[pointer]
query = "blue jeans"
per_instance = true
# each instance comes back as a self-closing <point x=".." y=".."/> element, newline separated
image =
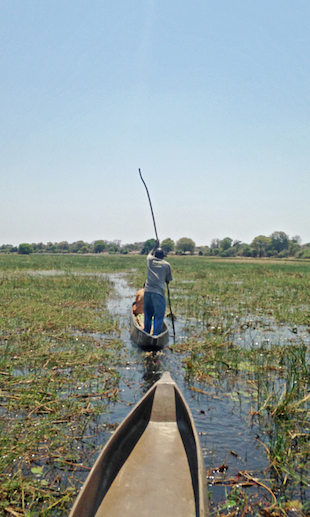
<point x="154" y="307"/>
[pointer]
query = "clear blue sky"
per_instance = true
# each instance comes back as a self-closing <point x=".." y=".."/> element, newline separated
<point x="211" y="99"/>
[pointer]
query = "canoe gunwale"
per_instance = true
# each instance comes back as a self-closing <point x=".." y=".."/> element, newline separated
<point x="128" y="435"/>
<point x="147" y="341"/>
<point x="122" y="443"/>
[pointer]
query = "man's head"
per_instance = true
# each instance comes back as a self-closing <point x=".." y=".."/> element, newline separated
<point x="159" y="253"/>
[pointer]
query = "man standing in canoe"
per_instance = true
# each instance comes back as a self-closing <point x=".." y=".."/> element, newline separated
<point x="158" y="273"/>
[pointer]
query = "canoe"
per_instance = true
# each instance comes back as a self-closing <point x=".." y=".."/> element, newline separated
<point x="152" y="466"/>
<point x="147" y="341"/>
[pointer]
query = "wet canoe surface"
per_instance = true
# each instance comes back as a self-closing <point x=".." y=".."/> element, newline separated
<point x="152" y="465"/>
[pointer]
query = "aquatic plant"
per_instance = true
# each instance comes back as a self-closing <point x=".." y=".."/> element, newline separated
<point x="59" y="350"/>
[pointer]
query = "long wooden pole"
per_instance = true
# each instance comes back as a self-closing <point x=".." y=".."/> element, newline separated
<point x="172" y="315"/>
<point x="148" y="195"/>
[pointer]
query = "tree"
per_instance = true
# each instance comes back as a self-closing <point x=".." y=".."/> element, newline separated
<point x="225" y="244"/>
<point x="99" y="246"/>
<point x="75" y="247"/>
<point x="279" y="241"/>
<point x="148" y="246"/>
<point x="261" y="244"/>
<point x="6" y="248"/>
<point x="215" y="244"/>
<point x="293" y="247"/>
<point x="131" y="247"/>
<point x="185" y="244"/>
<point x="62" y="246"/>
<point x="113" y="248"/>
<point x="25" y="249"/>
<point x="168" y="245"/>
<point x="246" y="250"/>
<point x="296" y="239"/>
<point x="306" y="253"/>
<point x="40" y="246"/>
<point x="236" y="244"/>
<point x="230" y="252"/>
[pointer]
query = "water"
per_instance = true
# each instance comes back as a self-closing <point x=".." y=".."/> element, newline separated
<point x="265" y="332"/>
<point x="222" y="421"/>
<point x="230" y="438"/>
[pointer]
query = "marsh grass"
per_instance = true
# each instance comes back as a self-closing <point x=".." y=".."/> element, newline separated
<point x="59" y="350"/>
<point x="268" y="378"/>
<point x="69" y="263"/>
<point x="206" y="289"/>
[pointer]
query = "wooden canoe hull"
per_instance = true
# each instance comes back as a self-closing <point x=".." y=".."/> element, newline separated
<point x="145" y="340"/>
<point x="152" y="466"/>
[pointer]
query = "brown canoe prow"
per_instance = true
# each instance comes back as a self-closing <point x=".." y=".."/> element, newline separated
<point x="152" y="466"/>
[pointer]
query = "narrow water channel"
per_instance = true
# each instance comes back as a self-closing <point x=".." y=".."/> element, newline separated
<point x="222" y="421"/>
<point x="225" y="410"/>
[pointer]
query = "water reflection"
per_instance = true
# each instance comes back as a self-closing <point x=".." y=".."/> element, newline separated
<point x="152" y="369"/>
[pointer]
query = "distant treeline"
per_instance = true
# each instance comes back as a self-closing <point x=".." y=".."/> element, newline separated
<point x="278" y="244"/>
<point x="74" y="247"/>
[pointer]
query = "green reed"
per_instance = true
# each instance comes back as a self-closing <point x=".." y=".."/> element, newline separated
<point x="59" y="350"/>
<point x="220" y="300"/>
